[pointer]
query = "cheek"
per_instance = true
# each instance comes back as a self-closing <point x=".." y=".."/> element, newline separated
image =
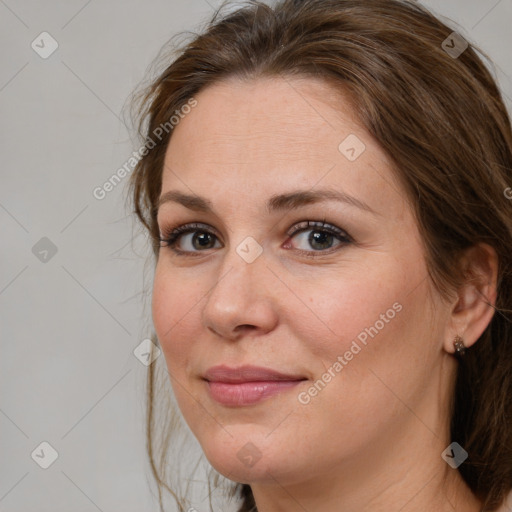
<point x="383" y="342"/>
<point x="346" y="308"/>
<point x="172" y="307"/>
<point x="174" y="310"/>
<point x="373" y="317"/>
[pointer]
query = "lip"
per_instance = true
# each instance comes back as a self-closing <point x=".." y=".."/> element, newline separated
<point x="247" y="373"/>
<point x="246" y="385"/>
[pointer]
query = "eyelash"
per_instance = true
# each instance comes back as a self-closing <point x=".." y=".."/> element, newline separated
<point x="171" y="236"/>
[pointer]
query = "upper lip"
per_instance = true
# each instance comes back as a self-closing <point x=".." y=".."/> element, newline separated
<point x="247" y="373"/>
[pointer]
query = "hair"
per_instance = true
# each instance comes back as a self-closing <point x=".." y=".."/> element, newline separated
<point x="443" y="123"/>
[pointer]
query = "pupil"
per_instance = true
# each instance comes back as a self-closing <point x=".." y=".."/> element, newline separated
<point x="317" y="237"/>
<point x="202" y="238"/>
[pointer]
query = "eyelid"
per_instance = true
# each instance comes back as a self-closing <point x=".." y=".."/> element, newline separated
<point x="322" y="225"/>
<point x="181" y="228"/>
<point x="297" y="226"/>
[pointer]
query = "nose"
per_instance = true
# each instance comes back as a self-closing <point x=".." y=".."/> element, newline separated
<point x="243" y="298"/>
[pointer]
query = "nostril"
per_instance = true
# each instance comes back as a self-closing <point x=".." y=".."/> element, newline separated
<point x="245" y="327"/>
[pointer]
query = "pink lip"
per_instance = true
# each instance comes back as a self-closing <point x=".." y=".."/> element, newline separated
<point x="247" y="385"/>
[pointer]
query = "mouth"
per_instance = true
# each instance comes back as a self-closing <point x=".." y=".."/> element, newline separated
<point x="247" y="385"/>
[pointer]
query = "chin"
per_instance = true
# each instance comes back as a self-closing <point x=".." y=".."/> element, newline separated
<point x="247" y="456"/>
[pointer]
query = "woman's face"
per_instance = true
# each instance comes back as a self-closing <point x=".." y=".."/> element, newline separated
<point x="346" y="307"/>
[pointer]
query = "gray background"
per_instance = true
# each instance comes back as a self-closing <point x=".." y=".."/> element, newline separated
<point x="69" y="324"/>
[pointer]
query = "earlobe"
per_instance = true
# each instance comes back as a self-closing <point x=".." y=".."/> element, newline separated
<point x="474" y="307"/>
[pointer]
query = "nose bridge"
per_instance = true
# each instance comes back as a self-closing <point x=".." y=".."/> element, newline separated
<point x="242" y="268"/>
<point x="240" y="295"/>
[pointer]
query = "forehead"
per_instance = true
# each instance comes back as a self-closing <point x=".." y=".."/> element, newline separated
<point x="272" y="133"/>
<point x="267" y="116"/>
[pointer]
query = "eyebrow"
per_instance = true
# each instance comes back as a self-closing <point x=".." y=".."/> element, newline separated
<point x="289" y="201"/>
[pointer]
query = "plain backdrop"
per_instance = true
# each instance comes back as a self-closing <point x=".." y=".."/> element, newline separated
<point x="71" y="273"/>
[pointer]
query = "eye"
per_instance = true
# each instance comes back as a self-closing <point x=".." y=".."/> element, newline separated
<point x="194" y="238"/>
<point x="201" y="239"/>
<point x="320" y="237"/>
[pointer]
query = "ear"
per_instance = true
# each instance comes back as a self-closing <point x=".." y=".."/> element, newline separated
<point x="474" y="305"/>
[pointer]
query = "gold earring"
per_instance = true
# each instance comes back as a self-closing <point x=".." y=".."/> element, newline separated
<point x="460" y="348"/>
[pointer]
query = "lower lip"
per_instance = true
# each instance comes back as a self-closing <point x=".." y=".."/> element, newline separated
<point x="247" y="393"/>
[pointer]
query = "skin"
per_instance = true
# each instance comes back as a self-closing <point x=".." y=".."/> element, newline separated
<point x="372" y="438"/>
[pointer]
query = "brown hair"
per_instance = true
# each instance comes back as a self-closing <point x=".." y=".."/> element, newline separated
<point x="442" y="121"/>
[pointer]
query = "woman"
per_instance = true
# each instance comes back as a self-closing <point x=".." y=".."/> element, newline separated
<point x="326" y="184"/>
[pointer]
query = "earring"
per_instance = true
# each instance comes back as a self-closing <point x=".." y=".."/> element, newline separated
<point x="460" y="348"/>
